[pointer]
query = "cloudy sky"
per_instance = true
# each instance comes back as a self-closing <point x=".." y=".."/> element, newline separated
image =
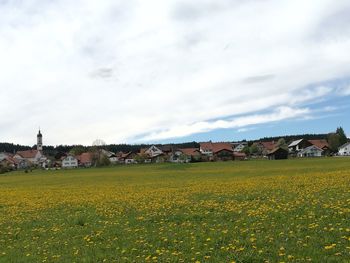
<point x="177" y="70"/>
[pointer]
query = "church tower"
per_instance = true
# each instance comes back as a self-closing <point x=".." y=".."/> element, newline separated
<point x="39" y="141"/>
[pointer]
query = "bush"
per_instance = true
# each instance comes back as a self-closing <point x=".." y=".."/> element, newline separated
<point x="3" y="170"/>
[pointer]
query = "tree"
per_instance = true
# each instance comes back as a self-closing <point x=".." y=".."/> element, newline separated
<point x="334" y="141"/>
<point x="342" y="137"/>
<point x="103" y="161"/>
<point x="77" y="150"/>
<point x="183" y="158"/>
<point x="246" y="150"/>
<point x="96" y="151"/>
<point x="282" y="144"/>
<point x="254" y="149"/>
<point x="140" y="158"/>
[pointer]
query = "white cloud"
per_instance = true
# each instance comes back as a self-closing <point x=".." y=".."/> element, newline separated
<point x="118" y="70"/>
<point x="345" y="91"/>
<point x="281" y="113"/>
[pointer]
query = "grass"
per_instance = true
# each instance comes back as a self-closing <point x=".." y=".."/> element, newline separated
<point x="254" y="211"/>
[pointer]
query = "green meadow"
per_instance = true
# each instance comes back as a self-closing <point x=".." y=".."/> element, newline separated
<point x="251" y="211"/>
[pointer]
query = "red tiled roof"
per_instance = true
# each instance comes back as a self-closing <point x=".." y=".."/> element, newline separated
<point x="320" y="143"/>
<point x="268" y="145"/>
<point x="28" y="154"/>
<point x="206" y="146"/>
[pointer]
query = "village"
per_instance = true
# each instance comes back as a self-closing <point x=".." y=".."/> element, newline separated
<point x="206" y="152"/>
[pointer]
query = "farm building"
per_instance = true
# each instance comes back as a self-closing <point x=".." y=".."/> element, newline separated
<point x="298" y="145"/>
<point x="239" y="156"/>
<point x="278" y="154"/>
<point x="266" y="147"/>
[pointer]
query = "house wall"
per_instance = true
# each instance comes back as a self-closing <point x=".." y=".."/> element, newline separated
<point x="223" y="155"/>
<point x="311" y="153"/>
<point x="345" y="151"/>
<point x="69" y="162"/>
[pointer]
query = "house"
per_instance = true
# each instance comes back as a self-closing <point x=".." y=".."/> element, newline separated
<point x="185" y="155"/>
<point x="298" y="145"/>
<point x="35" y="157"/>
<point x="69" y="162"/>
<point x="85" y="159"/>
<point x="128" y="158"/>
<point x="266" y="147"/>
<point x="278" y="154"/>
<point x="8" y="161"/>
<point x="166" y="149"/>
<point x="152" y="151"/>
<point x="218" y="151"/>
<point x="206" y="148"/>
<point x="112" y="157"/>
<point x="155" y="154"/>
<point x="239" y="156"/>
<point x="322" y="144"/>
<point x="239" y="146"/>
<point x="344" y="150"/>
<point x="311" y="151"/>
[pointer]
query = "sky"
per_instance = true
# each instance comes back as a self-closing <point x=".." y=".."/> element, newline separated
<point x="172" y="71"/>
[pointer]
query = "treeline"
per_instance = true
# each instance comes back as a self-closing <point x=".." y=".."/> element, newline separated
<point x="78" y="149"/>
<point x="289" y="138"/>
<point x="12" y="148"/>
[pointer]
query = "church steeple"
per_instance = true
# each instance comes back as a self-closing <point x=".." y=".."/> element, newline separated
<point x="39" y="141"/>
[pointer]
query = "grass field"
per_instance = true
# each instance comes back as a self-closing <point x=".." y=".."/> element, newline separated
<point x="254" y="211"/>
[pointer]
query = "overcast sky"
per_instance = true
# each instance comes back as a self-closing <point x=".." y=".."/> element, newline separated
<point x="155" y="71"/>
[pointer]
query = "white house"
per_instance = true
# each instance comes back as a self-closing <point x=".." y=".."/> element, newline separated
<point x="33" y="156"/>
<point x="206" y="148"/>
<point x="238" y="147"/>
<point x="111" y="156"/>
<point x="344" y="150"/>
<point x="311" y="151"/>
<point x="69" y="162"/>
<point x="153" y="151"/>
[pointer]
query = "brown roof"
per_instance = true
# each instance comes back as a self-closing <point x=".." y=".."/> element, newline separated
<point x="28" y="154"/>
<point x="216" y="146"/>
<point x="269" y="146"/>
<point x="320" y="143"/>
<point x="206" y="146"/>
<point x="125" y="155"/>
<point x="219" y="146"/>
<point x="11" y="160"/>
<point x="190" y="151"/>
<point x="85" y="157"/>
<point x="275" y="150"/>
<point x="239" y="154"/>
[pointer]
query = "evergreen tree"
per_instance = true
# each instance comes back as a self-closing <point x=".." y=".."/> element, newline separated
<point x="334" y="141"/>
<point x="342" y="137"/>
